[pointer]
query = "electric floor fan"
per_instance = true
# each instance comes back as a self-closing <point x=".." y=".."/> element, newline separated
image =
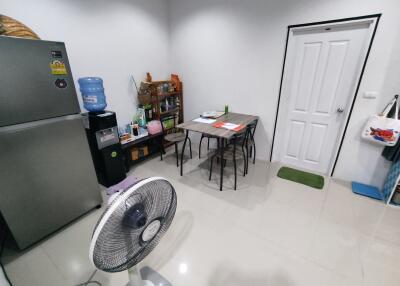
<point x="132" y="226"/>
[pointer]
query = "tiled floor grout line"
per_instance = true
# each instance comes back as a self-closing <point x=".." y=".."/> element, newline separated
<point x="319" y="220"/>
<point x="371" y="239"/>
<point x="54" y="264"/>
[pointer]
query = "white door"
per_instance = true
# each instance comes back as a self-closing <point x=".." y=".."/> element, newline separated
<point x="322" y="70"/>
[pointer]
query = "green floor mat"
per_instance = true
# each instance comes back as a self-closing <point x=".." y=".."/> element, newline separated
<point x="305" y="178"/>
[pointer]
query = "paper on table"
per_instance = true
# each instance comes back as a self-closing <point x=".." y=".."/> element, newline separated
<point x="230" y="126"/>
<point x="204" y="120"/>
<point x="212" y="114"/>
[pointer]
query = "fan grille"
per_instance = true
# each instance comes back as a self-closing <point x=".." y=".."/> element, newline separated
<point x="119" y="247"/>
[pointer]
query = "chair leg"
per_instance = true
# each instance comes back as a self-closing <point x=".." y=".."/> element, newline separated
<point x="201" y="139"/>
<point x="212" y="161"/>
<point x="218" y="146"/>
<point x="234" y="167"/>
<point x="161" y="148"/>
<point x="176" y="153"/>
<point x="190" y="148"/>
<point x="247" y="159"/>
<point x="208" y="143"/>
<point x="221" y="179"/>
<point x="254" y="157"/>
<point x="244" y="162"/>
<point x="234" y="161"/>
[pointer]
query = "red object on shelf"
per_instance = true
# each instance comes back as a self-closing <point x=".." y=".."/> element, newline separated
<point x="176" y="81"/>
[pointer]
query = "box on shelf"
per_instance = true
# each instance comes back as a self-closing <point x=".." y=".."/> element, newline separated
<point x="139" y="152"/>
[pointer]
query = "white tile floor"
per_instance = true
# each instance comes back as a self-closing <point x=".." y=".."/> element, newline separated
<point x="268" y="232"/>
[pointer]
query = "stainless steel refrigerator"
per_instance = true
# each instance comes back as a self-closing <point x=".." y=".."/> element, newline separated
<point x="47" y="178"/>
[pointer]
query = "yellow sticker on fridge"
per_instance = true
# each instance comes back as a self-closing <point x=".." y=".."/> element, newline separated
<point x="58" y="67"/>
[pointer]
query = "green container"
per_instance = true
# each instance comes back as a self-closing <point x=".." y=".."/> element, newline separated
<point x="168" y="123"/>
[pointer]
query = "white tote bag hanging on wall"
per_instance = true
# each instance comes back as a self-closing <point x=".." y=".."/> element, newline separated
<point x="381" y="129"/>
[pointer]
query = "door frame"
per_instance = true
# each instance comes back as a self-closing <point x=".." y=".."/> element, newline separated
<point x="373" y="27"/>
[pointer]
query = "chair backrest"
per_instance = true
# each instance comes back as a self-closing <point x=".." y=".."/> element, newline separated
<point x="243" y="134"/>
<point x="248" y="133"/>
<point x="166" y="119"/>
<point x="252" y="127"/>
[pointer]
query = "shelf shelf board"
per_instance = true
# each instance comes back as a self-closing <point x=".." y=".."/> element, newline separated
<point x="169" y="111"/>
<point x="166" y="94"/>
<point x="157" y="82"/>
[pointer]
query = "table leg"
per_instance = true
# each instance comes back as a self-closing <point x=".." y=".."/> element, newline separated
<point x="222" y="163"/>
<point x="183" y="150"/>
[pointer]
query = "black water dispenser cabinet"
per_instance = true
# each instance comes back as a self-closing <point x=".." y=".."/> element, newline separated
<point x="102" y="132"/>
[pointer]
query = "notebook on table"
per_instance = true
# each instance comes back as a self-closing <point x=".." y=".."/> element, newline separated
<point x="212" y="114"/>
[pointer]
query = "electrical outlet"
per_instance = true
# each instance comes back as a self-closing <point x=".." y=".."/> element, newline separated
<point x="370" y="94"/>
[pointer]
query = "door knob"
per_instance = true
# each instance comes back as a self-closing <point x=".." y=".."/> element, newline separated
<point x="340" y="110"/>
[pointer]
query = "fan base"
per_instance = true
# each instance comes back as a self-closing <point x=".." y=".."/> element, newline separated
<point x="149" y="277"/>
<point x="144" y="283"/>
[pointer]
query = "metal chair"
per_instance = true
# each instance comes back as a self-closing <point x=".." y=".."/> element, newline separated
<point x="250" y="140"/>
<point x="174" y="136"/>
<point x="203" y="135"/>
<point x="247" y="142"/>
<point x="231" y="154"/>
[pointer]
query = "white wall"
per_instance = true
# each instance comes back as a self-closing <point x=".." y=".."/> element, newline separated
<point x="231" y="52"/>
<point x="226" y="51"/>
<point x="110" y="39"/>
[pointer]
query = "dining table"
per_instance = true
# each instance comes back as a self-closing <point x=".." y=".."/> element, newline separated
<point x="221" y="133"/>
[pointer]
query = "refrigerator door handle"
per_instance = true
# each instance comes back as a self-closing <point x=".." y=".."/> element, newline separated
<point x="28" y="125"/>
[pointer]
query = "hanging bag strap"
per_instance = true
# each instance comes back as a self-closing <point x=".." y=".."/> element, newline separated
<point x="389" y="107"/>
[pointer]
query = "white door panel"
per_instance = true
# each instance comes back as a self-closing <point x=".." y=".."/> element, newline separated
<point x="321" y="74"/>
<point x="334" y="68"/>
<point x="296" y="131"/>
<point x="313" y="149"/>
<point x="305" y="76"/>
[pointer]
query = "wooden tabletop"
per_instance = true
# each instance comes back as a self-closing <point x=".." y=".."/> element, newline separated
<point x="235" y="118"/>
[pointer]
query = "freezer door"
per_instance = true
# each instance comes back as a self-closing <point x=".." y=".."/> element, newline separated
<point x="35" y="81"/>
<point x="47" y="177"/>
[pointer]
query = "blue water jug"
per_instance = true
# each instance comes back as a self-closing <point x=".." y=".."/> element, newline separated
<point x="92" y="91"/>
